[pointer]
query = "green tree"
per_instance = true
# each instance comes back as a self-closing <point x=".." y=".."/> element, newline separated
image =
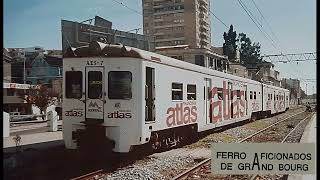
<point x="229" y="45"/>
<point x="249" y="52"/>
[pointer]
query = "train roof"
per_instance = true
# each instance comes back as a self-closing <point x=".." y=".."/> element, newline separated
<point x="98" y="49"/>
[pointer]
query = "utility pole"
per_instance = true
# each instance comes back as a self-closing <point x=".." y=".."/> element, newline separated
<point x="306" y="89"/>
<point x="313" y="96"/>
<point x="24" y="70"/>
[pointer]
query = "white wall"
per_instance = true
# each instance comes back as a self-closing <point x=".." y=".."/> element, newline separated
<point x="35" y="110"/>
<point x="6" y="124"/>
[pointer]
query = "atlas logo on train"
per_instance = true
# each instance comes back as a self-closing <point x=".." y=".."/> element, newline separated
<point x="182" y="113"/>
<point x="221" y="107"/>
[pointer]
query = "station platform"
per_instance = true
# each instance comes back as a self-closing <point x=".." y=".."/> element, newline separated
<point x="309" y="136"/>
<point x="35" y="136"/>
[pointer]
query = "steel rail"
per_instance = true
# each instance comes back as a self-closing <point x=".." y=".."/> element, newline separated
<point x="89" y="176"/>
<point x="266" y="128"/>
<point x="285" y="138"/>
<point x="184" y="174"/>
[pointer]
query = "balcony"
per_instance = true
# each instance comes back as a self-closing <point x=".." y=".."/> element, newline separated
<point x="203" y="15"/>
<point x="158" y="20"/>
<point x="203" y="8"/>
<point x="169" y="12"/>
<point x="203" y="35"/>
<point x="203" y="23"/>
<point x="203" y="2"/>
<point x="204" y="29"/>
<point x="168" y="25"/>
<point x="170" y="39"/>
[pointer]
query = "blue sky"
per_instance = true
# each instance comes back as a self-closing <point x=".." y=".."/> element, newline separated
<point x="37" y="22"/>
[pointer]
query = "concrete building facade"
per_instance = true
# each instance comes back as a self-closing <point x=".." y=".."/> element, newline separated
<point x="178" y="22"/>
<point x="294" y="86"/>
<point x="12" y="98"/>
<point x="237" y="69"/>
<point x="264" y="72"/>
<point x="199" y="56"/>
<point x="76" y="34"/>
<point x="7" y="60"/>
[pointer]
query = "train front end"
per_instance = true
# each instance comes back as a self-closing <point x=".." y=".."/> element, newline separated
<point x="100" y="101"/>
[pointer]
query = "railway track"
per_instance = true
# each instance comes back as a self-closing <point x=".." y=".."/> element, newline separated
<point x="204" y="166"/>
<point x="96" y="175"/>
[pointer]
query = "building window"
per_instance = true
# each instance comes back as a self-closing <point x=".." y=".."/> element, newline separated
<point x="199" y="60"/>
<point x="177" y="91"/>
<point x="250" y="94"/>
<point x="220" y="93"/>
<point x="119" y="85"/>
<point x="177" y="57"/>
<point x="10" y="92"/>
<point x="211" y="61"/>
<point x="191" y="92"/>
<point x="254" y="95"/>
<point x="73" y="84"/>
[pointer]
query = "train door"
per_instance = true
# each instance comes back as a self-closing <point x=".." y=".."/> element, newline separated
<point x="95" y="93"/>
<point x="246" y="98"/>
<point x="207" y="97"/>
<point x="284" y="100"/>
<point x="150" y="95"/>
<point x="230" y="98"/>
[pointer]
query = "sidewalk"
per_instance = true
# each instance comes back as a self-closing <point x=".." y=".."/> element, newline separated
<point x="33" y="139"/>
<point x="309" y="136"/>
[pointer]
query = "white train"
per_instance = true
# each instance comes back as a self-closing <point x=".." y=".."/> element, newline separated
<point x="124" y="97"/>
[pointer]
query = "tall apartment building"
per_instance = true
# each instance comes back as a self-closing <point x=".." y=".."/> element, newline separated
<point x="177" y="22"/>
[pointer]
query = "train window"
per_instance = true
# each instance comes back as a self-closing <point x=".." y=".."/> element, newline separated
<point x="177" y="91"/>
<point x="95" y="84"/>
<point x="220" y="93"/>
<point x="73" y="84"/>
<point x="191" y="92"/>
<point x="119" y="85"/>
<point x="250" y="94"/>
<point x="254" y="95"/>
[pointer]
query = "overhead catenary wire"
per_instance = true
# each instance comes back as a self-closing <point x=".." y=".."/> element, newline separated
<point x="268" y="24"/>
<point x="281" y="52"/>
<point x="131" y="9"/>
<point x="218" y="18"/>
<point x="266" y="35"/>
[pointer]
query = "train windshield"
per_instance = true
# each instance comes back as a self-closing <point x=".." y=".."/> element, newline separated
<point x="73" y="84"/>
<point x="119" y="85"/>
